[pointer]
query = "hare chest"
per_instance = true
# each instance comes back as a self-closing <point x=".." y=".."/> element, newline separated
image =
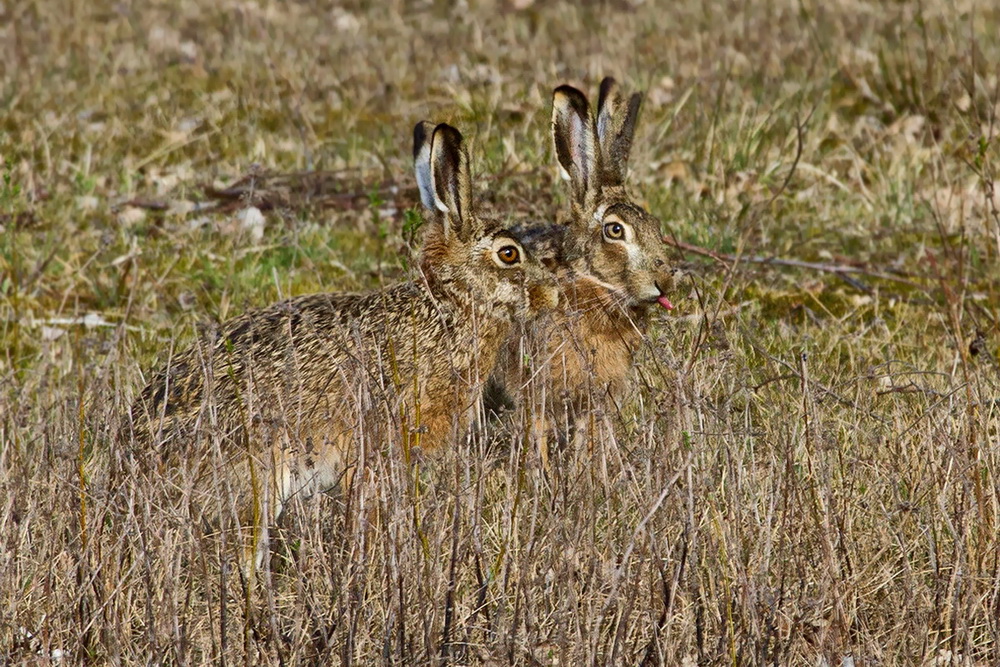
<point x="590" y="362"/>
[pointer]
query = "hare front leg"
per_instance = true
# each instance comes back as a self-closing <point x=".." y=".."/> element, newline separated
<point x="292" y="471"/>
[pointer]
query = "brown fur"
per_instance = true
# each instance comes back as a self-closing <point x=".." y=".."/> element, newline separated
<point x="607" y="287"/>
<point x="279" y="397"/>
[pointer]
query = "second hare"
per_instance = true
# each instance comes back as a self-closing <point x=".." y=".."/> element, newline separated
<point x="609" y="259"/>
<point x="280" y="398"/>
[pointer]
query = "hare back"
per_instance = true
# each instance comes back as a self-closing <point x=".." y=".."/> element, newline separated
<point x="305" y="372"/>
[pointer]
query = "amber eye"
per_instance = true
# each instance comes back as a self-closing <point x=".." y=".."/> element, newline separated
<point x="614" y="231"/>
<point x="509" y="255"/>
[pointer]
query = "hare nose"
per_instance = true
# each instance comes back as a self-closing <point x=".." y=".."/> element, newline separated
<point x="665" y="280"/>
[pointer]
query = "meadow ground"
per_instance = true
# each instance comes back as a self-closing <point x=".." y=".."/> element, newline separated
<point x="808" y="472"/>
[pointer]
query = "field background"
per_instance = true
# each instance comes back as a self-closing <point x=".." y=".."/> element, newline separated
<point x="808" y="473"/>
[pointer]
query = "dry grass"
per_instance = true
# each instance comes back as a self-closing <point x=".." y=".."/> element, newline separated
<point x="808" y="470"/>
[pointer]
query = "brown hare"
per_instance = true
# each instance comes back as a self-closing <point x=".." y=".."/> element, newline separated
<point x="279" y="399"/>
<point x="609" y="260"/>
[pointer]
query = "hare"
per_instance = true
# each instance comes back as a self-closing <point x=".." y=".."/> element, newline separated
<point x="282" y="395"/>
<point x="609" y="261"/>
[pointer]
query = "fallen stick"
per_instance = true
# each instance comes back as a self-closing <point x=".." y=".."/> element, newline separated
<point x="840" y="269"/>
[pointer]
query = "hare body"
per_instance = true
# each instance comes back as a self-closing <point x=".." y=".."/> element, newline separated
<point x="609" y="261"/>
<point x="277" y="401"/>
<point x="287" y="387"/>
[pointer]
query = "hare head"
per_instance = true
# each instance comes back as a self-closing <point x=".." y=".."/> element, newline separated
<point x="465" y="253"/>
<point x="612" y="241"/>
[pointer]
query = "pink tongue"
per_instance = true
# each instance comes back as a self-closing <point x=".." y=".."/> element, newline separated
<point x="665" y="302"/>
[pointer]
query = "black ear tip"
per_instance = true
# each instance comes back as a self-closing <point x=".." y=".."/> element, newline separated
<point x="634" y="103"/>
<point x="421" y="135"/>
<point x="577" y="100"/>
<point x="609" y="90"/>
<point x="448" y="133"/>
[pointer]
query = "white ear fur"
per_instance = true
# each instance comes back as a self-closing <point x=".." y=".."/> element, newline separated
<point x="422" y="162"/>
<point x="582" y="147"/>
<point x="602" y="125"/>
<point x="424" y="178"/>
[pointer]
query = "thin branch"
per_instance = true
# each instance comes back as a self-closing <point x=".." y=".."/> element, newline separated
<point x="799" y="147"/>
<point x="841" y="270"/>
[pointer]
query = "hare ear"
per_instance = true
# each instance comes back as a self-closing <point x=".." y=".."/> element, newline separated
<point x="451" y="184"/>
<point x="615" y="129"/>
<point x="422" y="162"/>
<point x="574" y="140"/>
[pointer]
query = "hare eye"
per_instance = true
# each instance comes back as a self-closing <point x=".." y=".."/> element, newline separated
<point x="509" y="255"/>
<point x="614" y="231"/>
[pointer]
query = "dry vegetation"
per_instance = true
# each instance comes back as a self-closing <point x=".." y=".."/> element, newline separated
<point x="808" y="472"/>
